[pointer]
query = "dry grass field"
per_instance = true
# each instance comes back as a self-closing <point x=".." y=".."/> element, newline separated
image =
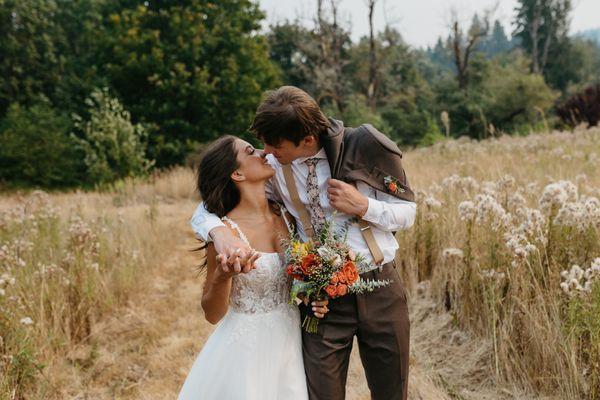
<point x="100" y="298"/>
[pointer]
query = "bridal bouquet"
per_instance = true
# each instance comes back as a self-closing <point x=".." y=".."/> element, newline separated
<point x="325" y="267"/>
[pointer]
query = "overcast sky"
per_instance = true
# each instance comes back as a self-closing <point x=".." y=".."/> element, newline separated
<point x="420" y="22"/>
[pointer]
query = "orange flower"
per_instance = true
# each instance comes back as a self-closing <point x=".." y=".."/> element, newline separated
<point x="350" y="272"/>
<point x="290" y="270"/>
<point x="341" y="290"/>
<point x="341" y="277"/>
<point x="309" y="261"/>
<point x="331" y="290"/>
<point x="334" y="279"/>
<point x="393" y="187"/>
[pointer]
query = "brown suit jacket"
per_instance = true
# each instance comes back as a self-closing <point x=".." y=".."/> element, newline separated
<point x="367" y="155"/>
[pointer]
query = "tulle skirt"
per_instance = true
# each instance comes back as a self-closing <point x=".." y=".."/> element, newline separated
<point x="250" y="357"/>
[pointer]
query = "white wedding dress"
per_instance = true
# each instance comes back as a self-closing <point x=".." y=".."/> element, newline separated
<point x="255" y="352"/>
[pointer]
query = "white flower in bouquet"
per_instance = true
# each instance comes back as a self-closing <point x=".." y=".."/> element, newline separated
<point x="329" y="255"/>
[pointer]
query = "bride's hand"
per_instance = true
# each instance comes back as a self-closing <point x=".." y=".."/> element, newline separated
<point x="235" y="255"/>
<point x="320" y="308"/>
<point x="237" y="264"/>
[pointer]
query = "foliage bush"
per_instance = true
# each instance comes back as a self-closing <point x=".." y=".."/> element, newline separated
<point x="581" y="107"/>
<point x="36" y="149"/>
<point x="114" y="147"/>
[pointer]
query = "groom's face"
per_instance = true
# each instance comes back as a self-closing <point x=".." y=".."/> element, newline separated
<point x="287" y="151"/>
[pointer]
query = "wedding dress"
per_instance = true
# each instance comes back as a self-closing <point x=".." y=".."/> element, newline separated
<point x="255" y="352"/>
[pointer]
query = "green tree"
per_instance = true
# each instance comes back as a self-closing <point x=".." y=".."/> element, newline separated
<point x="542" y="27"/>
<point x="575" y="64"/>
<point x="48" y="51"/>
<point x="114" y="148"/>
<point x="30" y="64"/>
<point x="36" y="149"/>
<point x="193" y="70"/>
<point x="497" y="42"/>
<point x="515" y="100"/>
<point x="294" y="49"/>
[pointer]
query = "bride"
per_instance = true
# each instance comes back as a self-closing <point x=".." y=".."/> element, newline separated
<point x="255" y="352"/>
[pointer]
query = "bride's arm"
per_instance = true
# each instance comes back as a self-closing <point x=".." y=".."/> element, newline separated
<point x="217" y="286"/>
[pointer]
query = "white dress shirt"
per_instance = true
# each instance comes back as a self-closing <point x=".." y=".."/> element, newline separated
<point x="386" y="213"/>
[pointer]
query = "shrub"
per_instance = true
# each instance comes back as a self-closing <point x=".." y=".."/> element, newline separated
<point x="36" y="149"/>
<point x="581" y="107"/>
<point x="114" y="147"/>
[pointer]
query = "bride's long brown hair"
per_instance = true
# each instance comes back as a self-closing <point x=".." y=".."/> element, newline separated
<point x="219" y="193"/>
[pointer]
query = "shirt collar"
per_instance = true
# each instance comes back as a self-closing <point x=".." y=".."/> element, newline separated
<point x="320" y="155"/>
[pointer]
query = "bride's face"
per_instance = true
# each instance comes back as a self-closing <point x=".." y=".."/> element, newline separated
<point x="253" y="166"/>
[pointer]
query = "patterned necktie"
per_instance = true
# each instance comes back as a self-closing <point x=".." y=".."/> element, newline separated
<point x="317" y="216"/>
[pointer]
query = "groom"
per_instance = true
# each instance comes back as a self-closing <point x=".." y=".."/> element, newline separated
<point x="320" y="167"/>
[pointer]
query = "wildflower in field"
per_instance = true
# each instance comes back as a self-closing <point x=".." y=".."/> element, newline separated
<point x="435" y="188"/>
<point x="489" y="188"/>
<point x="506" y="183"/>
<point x="26" y="321"/>
<point x="450" y="182"/>
<point x="432" y="202"/>
<point x="6" y="280"/>
<point x="492" y="274"/>
<point x="516" y="244"/>
<point x="573" y="215"/>
<point x="466" y="210"/>
<point x="576" y="280"/>
<point x="452" y="254"/>
<point x="532" y="224"/>
<point x="556" y="194"/>
<point x="488" y="209"/>
<point x="516" y="201"/>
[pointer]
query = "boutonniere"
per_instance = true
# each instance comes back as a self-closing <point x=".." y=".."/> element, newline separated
<point x="392" y="184"/>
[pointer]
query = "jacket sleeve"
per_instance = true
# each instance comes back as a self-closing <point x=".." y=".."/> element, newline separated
<point x="387" y="212"/>
<point x="383" y="161"/>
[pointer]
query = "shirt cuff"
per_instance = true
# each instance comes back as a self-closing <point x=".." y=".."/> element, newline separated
<point x="374" y="211"/>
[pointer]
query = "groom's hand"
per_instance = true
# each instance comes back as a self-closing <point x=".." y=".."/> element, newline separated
<point x="234" y="255"/>
<point x="320" y="308"/>
<point x="346" y="198"/>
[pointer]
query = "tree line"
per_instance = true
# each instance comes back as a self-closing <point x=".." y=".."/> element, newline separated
<point x="92" y="91"/>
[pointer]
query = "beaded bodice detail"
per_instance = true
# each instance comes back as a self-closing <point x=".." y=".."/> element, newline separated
<point x="263" y="289"/>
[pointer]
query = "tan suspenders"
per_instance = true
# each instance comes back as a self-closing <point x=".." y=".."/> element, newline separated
<point x="302" y="213"/>
<point x="365" y="227"/>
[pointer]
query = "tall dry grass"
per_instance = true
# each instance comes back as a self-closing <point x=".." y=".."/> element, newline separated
<point x="67" y="262"/>
<point x="501" y="225"/>
<point x="507" y="237"/>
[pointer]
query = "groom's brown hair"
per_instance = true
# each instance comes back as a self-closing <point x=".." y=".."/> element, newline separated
<point x="288" y="113"/>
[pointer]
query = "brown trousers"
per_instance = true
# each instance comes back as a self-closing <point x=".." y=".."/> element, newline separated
<point x="379" y="320"/>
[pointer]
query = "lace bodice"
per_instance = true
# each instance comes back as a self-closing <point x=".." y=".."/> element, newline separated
<point x="264" y="288"/>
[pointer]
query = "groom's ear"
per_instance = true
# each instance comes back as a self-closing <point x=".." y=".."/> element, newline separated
<point x="310" y="140"/>
<point x="238" y="176"/>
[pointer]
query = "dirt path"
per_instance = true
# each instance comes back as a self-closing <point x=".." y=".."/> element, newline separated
<point x="147" y="351"/>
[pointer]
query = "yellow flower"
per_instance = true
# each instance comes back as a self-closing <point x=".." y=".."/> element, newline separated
<point x="299" y="249"/>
